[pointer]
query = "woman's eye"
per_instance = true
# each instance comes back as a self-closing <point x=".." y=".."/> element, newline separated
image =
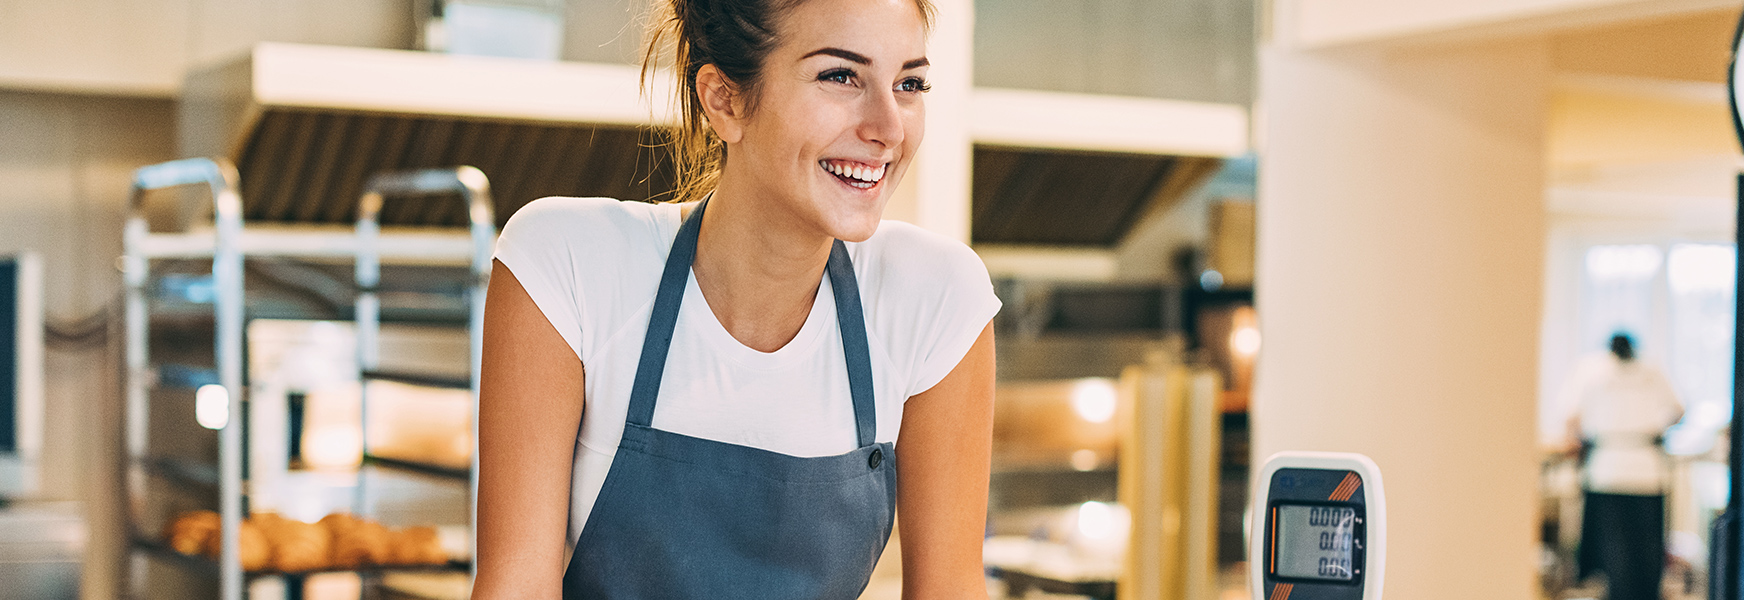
<point x="842" y="76"/>
<point x="914" y="84"/>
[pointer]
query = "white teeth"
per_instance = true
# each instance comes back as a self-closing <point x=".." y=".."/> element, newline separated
<point x="858" y="172"/>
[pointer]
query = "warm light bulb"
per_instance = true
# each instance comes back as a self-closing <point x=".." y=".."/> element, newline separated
<point x="1094" y="399"/>
<point x="1245" y="341"/>
<point x="212" y="406"/>
<point x="1095" y="520"/>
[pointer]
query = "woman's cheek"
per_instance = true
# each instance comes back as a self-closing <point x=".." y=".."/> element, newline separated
<point x="912" y="136"/>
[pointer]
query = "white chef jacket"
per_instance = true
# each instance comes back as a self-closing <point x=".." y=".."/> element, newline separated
<point x="1623" y="408"/>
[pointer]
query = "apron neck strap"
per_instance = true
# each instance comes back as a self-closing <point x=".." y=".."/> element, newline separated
<point x="850" y="320"/>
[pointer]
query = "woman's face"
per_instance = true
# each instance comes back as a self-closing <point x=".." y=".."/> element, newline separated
<point x="838" y="114"/>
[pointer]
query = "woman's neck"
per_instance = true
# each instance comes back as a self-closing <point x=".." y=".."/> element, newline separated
<point x="758" y="267"/>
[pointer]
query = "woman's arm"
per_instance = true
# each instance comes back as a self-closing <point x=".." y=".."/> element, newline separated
<point x="530" y="402"/>
<point x="943" y="460"/>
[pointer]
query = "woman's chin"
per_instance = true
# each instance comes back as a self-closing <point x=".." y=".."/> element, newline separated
<point x="856" y="230"/>
<point x="852" y="219"/>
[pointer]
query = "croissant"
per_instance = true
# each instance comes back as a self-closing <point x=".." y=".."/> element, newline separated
<point x="296" y="546"/>
<point x="356" y="542"/>
<point x="418" y="546"/>
<point x="253" y="550"/>
<point x="190" y="531"/>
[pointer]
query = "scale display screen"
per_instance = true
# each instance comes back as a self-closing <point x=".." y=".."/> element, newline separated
<point x="1325" y="528"/>
<point x="1315" y="542"/>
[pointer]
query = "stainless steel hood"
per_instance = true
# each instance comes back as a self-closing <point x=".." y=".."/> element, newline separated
<point x="1063" y="170"/>
<point x="1060" y="198"/>
<point x="310" y="166"/>
<point x="307" y="125"/>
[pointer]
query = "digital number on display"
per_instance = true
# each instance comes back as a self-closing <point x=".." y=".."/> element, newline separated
<point x="1315" y="542"/>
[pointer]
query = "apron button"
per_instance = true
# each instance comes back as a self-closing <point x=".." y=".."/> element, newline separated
<point x="876" y="459"/>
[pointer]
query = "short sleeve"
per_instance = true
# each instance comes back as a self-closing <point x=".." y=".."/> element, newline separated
<point x="933" y="299"/>
<point x="964" y="311"/>
<point x="534" y="247"/>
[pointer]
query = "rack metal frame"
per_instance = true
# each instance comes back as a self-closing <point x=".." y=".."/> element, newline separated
<point x="472" y="187"/>
<point x="226" y="243"/>
<point x="140" y="247"/>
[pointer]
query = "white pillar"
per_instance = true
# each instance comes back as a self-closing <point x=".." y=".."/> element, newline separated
<point x="1400" y="262"/>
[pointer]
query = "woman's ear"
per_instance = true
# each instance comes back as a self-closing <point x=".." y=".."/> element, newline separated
<point x="720" y="103"/>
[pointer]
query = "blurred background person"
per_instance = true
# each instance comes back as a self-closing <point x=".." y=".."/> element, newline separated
<point x="1620" y="408"/>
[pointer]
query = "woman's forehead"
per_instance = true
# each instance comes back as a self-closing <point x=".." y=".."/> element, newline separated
<point x="880" y="30"/>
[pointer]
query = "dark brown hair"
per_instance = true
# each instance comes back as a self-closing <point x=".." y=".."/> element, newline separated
<point x="733" y="35"/>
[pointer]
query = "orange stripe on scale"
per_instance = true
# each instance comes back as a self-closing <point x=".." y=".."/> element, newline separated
<point x="1346" y="488"/>
<point x="1274" y="540"/>
<point x="1281" y="591"/>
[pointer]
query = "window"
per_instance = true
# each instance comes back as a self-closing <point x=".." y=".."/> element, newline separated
<point x="1677" y="303"/>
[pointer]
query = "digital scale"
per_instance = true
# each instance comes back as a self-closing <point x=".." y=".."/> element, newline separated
<point x="1319" y="528"/>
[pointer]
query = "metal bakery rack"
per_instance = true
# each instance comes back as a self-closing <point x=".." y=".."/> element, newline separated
<point x="219" y="392"/>
<point x="332" y="193"/>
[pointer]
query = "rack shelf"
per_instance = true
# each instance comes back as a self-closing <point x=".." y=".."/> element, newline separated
<point x="421" y="379"/>
<point x="420" y="468"/>
<point x="225" y="243"/>
<point x="184" y="471"/>
<point x="396" y="245"/>
<point x="162" y="550"/>
<point x="375" y="471"/>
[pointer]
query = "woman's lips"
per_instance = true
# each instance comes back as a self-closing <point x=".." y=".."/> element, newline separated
<point x="855" y="174"/>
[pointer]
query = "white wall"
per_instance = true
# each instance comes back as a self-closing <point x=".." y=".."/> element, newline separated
<point x="1328" y="23"/>
<point x="65" y="167"/>
<point x="146" y="46"/>
<point x="1178" y="49"/>
<point x="1400" y="253"/>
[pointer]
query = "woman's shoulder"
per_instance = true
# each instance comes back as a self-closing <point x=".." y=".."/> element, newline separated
<point x="566" y="211"/>
<point x="585" y="222"/>
<point x="927" y="298"/>
<point x="911" y="251"/>
<point x="906" y="267"/>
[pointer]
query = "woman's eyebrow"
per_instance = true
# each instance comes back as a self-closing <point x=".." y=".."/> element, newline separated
<point x="856" y="57"/>
<point x="839" y="53"/>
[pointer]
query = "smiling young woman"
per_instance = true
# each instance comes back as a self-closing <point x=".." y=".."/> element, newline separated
<point x="731" y="396"/>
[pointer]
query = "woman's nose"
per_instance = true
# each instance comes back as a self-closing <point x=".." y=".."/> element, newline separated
<point x="881" y="119"/>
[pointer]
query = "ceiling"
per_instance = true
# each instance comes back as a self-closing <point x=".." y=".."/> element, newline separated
<point x="1695" y="47"/>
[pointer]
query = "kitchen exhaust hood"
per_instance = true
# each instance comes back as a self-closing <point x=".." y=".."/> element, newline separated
<point x="308" y="125"/>
<point x="1059" y="170"/>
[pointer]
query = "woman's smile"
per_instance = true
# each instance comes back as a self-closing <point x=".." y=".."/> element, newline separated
<point x="858" y="175"/>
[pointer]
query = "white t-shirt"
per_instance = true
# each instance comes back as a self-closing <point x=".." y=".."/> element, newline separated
<point x="592" y="266"/>
<point x="1622" y="407"/>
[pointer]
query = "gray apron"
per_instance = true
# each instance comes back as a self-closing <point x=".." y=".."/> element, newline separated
<point x="683" y="517"/>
